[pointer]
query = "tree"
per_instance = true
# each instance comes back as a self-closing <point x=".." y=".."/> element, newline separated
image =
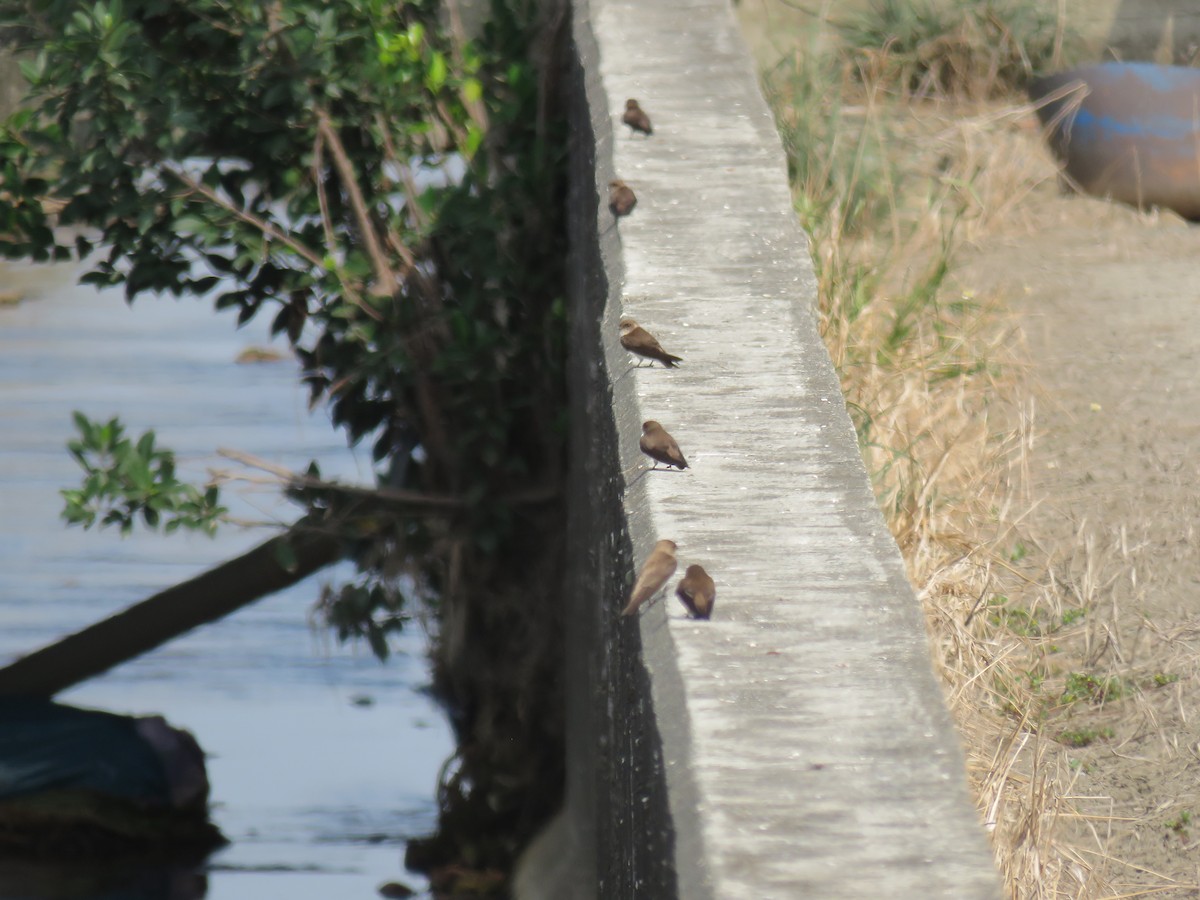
<point x="391" y="194"/>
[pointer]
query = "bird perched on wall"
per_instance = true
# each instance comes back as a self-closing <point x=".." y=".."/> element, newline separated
<point x="635" y="117"/>
<point x="658" y="567"/>
<point x="638" y="341"/>
<point x="621" y="198"/>
<point x="697" y="592"/>
<point x="657" y="444"/>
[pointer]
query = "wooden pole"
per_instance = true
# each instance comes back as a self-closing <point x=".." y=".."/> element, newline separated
<point x="168" y="614"/>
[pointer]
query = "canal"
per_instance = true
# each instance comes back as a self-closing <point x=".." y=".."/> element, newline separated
<point x="322" y="760"/>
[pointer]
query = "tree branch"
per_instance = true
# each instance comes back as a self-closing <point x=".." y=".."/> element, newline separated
<point x="272" y="232"/>
<point x="390" y="496"/>
<point x="323" y="200"/>
<point x="168" y="614"/>
<point x="385" y="279"/>
<point x="261" y="224"/>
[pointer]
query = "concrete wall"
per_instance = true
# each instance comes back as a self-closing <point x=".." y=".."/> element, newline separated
<point x="797" y="745"/>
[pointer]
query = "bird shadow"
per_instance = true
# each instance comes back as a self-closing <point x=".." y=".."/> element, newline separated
<point x="640" y="611"/>
<point x="644" y="471"/>
<point x="635" y="367"/>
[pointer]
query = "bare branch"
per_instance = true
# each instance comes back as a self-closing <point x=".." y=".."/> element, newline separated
<point x="476" y="109"/>
<point x="261" y="224"/>
<point x="298" y="479"/>
<point x="270" y="231"/>
<point x="411" y="206"/>
<point x="284" y="475"/>
<point x="322" y="199"/>
<point x="385" y="279"/>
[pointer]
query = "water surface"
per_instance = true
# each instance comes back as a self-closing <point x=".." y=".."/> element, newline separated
<point x="322" y="760"/>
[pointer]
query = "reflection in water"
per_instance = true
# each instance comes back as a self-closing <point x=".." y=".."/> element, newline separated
<point x="121" y="881"/>
<point x="317" y="788"/>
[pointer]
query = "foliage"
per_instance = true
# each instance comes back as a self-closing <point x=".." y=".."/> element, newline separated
<point x="1180" y="824"/>
<point x="323" y="164"/>
<point x="942" y="48"/>
<point x="124" y="479"/>
<point x="390" y="194"/>
<point x="1081" y="686"/>
<point x="1084" y="737"/>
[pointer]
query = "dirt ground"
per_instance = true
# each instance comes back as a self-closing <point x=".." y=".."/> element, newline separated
<point x="1109" y="303"/>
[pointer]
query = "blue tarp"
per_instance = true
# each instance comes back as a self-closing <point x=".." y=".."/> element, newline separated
<point x="46" y="745"/>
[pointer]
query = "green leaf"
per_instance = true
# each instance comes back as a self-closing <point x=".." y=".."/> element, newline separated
<point x="435" y="77"/>
<point x="31" y="70"/>
<point x="145" y="445"/>
<point x="84" y="426"/>
<point x="474" y="140"/>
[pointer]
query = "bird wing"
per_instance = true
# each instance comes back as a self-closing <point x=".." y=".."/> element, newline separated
<point x="638" y="340"/>
<point x="662" y="447"/>
<point x="643" y="343"/>
<point x="650" y="448"/>
<point x="637" y="119"/>
<point x="705" y="596"/>
<point x="684" y="593"/>
<point x="673" y="453"/>
<point x="655" y="572"/>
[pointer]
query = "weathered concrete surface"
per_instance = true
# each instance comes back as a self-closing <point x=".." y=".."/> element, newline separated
<point x="798" y="744"/>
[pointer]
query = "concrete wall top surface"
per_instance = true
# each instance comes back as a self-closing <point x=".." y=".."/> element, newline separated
<point x="807" y="748"/>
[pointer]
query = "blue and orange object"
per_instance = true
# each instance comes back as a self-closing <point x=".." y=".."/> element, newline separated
<point x="1127" y="131"/>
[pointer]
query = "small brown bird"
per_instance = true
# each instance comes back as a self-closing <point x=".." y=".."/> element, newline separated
<point x="658" y="567"/>
<point x="621" y="199"/>
<point x="697" y="592"/>
<point x="635" y="117"/>
<point x="638" y="341"/>
<point x="657" y="444"/>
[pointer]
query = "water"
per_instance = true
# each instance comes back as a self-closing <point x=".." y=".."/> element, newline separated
<point x="322" y="761"/>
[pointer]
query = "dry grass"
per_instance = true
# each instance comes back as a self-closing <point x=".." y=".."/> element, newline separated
<point x="934" y="376"/>
<point x="936" y="48"/>
<point x="934" y="412"/>
<point x="1050" y="674"/>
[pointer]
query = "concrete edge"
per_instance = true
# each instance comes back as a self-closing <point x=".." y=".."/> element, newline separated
<point x="806" y="749"/>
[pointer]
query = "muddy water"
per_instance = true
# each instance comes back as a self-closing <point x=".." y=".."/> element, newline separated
<point x="322" y="760"/>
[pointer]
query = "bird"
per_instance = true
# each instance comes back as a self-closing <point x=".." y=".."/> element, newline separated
<point x="635" y="117"/>
<point x="658" y="567"/>
<point x="621" y="198"/>
<point x="697" y="592"/>
<point x="638" y="341"/>
<point x="657" y="444"/>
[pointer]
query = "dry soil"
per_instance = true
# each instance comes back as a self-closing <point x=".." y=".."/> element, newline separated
<point x="1109" y="302"/>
